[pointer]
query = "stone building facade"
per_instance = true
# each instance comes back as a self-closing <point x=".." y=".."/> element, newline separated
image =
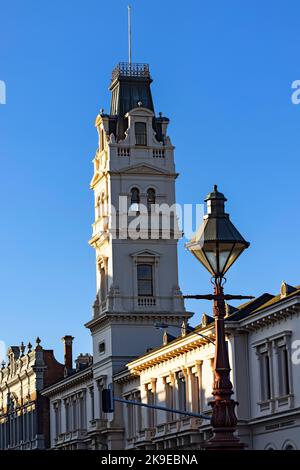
<point x="264" y="351"/>
<point x="24" y="412"/>
<point x="137" y="288"/>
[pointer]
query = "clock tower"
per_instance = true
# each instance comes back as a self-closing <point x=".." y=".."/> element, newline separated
<point x="136" y="252"/>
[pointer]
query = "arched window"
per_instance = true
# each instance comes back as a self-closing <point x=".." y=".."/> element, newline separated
<point x="289" y="446"/>
<point x="270" y="447"/>
<point x="140" y="133"/>
<point x="150" y="198"/>
<point x="135" y="199"/>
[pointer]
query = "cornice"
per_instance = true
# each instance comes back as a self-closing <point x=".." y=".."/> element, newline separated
<point x="138" y="317"/>
<point x="181" y="346"/>
<point x="68" y="382"/>
<point x="267" y="317"/>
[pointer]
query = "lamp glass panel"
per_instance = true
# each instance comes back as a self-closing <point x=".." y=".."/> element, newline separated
<point x="211" y="250"/>
<point x="218" y="255"/>
<point x="197" y="251"/>
<point x="224" y="253"/>
<point x="211" y="254"/>
<point x="237" y="250"/>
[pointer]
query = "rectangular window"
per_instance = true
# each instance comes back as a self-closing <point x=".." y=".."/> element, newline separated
<point x="141" y="133"/>
<point x="182" y="398"/>
<point x="103" y="282"/>
<point x="67" y="411"/>
<point x="57" y="419"/>
<point x="75" y="415"/>
<point x="151" y="411"/>
<point x="102" y="276"/>
<point x="92" y="403"/>
<point x="283" y="368"/>
<point x="169" y="400"/>
<point x="130" y="418"/>
<point x="134" y="417"/>
<point x="265" y="377"/>
<point x="82" y="411"/>
<point x="145" y="280"/>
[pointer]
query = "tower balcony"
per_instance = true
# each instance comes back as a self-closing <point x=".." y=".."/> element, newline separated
<point x="136" y="70"/>
<point x="146" y="302"/>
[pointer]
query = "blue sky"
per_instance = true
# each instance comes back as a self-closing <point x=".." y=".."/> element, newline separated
<point x="222" y="73"/>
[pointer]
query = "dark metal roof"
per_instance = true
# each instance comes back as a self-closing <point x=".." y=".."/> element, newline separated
<point x="130" y="88"/>
<point x="246" y="309"/>
<point x="221" y="229"/>
<point x="215" y="194"/>
<point x="130" y="85"/>
<point x="217" y="225"/>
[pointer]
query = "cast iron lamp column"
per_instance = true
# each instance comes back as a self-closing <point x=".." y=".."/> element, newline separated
<point x="217" y="244"/>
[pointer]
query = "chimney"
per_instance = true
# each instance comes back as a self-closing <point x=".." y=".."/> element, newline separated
<point x="68" y="359"/>
<point x="83" y="361"/>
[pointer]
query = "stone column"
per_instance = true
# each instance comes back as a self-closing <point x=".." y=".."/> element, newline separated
<point x="153" y="389"/>
<point x="198" y="366"/>
<point x="137" y="413"/>
<point x="89" y="406"/>
<point x="167" y="404"/>
<point x="82" y="409"/>
<point x="144" y="397"/>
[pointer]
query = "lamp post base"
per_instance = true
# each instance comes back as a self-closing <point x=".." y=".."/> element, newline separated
<point x="224" y="420"/>
<point x="223" y="440"/>
<point x="224" y="425"/>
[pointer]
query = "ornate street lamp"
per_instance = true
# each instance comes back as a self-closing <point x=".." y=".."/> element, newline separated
<point x="217" y="244"/>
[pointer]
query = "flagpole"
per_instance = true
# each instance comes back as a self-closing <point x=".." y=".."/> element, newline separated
<point x="129" y="35"/>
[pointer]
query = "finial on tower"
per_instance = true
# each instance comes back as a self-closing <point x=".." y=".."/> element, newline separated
<point x="129" y="35"/>
<point x="22" y="348"/>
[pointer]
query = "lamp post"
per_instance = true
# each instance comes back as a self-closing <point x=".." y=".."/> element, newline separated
<point x="217" y="244"/>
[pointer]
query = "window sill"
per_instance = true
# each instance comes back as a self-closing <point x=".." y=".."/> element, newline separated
<point x="284" y="402"/>
<point x="266" y="405"/>
<point x="277" y="403"/>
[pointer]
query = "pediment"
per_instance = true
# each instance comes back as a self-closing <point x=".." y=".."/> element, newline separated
<point x="144" y="169"/>
<point x="140" y="111"/>
<point x="145" y="253"/>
